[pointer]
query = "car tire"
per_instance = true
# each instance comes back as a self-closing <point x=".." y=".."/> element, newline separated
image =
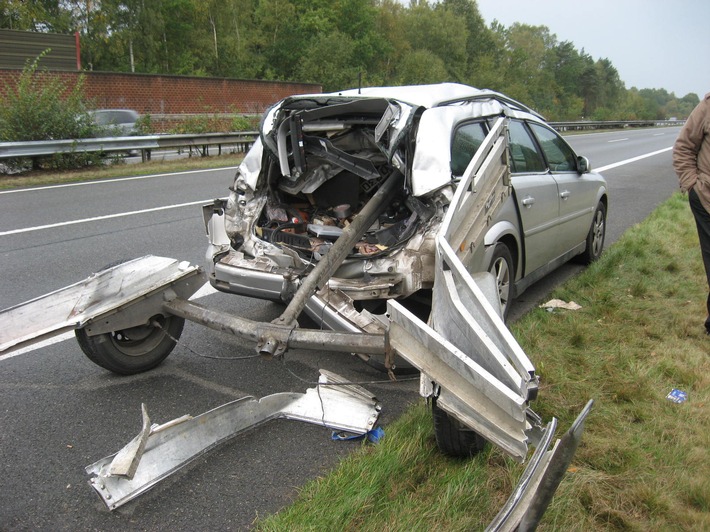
<point x="503" y="269"/>
<point x="452" y="437"/>
<point x="595" y="237"/>
<point x="133" y="350"/>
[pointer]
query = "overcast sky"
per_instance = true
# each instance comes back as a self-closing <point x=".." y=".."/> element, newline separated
<point x="654" y="44"/>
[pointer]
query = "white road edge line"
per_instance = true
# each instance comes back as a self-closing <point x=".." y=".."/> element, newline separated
<point x="97" y="218"/>
<point x="155" y="209"/>
<point x="632" y="160"/>
<point x="117" y="180"/>
<point x="207" y="289"/>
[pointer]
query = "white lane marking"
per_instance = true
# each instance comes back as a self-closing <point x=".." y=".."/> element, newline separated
<point x="117" y="180"/>
<point x="632" y="160"/>
<point x="177" y="206"/>
<point x="617" y="140"/>
<point x="205" y="291"/>
<point x="105" y="217"/>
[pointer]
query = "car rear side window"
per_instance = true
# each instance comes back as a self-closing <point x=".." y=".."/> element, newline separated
<point x="524" y="154"/>
<point x="467" y="139"/>
<point x="560" y="157"/>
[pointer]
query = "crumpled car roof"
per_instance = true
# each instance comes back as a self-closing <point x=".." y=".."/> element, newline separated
<point x="428" y="96"/>
<point x="444" y="105"/>
<point x="424" y="95"/>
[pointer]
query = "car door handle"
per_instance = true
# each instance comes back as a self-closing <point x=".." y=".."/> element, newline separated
<point x="564" y="194"/>
<point x="528" y="201"/>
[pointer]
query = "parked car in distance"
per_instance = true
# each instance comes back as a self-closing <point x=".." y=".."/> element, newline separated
<point x="116" y="122"/>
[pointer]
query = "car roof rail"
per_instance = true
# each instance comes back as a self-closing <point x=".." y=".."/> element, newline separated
<point x="492" y="95"/>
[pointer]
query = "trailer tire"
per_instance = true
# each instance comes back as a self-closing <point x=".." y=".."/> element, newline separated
<point x="452" y="437"/>
<point x="133" y="350"/>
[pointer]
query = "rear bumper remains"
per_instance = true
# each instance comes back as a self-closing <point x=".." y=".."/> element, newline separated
<point x="160" y="450"/>
<point x="528" y="502"/>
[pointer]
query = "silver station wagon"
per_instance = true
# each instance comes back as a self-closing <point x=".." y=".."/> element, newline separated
<point x="321" y="158"/>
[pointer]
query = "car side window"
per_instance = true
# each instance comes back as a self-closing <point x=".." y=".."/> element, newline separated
<point x="524" y="154"/>
<point x="560" y="157"/>
<point x="467" y="139"/>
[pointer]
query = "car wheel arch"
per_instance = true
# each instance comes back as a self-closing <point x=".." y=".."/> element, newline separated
<point x="507" y="233"/>
<point x="602" y="197"/>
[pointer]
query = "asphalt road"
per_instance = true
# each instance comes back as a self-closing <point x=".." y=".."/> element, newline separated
<point x="60" y="412"/>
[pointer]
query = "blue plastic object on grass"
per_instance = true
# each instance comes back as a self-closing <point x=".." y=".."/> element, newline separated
<point x="677" y="396"/>
<point x="373" y="436"/>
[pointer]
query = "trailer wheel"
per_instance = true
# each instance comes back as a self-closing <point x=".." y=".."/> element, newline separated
<point x="133" y="350"/>
<point x="452" y="437"/>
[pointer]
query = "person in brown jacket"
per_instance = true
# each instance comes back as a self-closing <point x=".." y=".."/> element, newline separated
<point x="691" y="161"/>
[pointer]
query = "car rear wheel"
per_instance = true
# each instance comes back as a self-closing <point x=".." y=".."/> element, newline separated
<point x="595" y="237"/>
<point x="452" y="437"/>
<point x="503" y="270"/>
<point x="133" y="350"/>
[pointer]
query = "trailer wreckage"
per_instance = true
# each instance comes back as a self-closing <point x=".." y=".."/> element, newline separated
<point x="128" y="317"/>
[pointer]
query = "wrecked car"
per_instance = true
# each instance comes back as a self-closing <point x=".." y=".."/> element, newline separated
<point x="320" y="158"/>
<point x="403" y="221"/>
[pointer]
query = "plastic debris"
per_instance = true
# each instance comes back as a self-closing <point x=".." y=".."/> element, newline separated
<point x="677" y="396"/>
<point x="373" y="436"/>
<point x="558" y="303"/>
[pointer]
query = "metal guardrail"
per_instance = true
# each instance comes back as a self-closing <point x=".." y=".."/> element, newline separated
<point x="242" y="141"/>
<point x="613" y="124"/>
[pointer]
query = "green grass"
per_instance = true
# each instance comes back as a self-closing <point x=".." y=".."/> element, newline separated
<point x="118" y="169"/>
<point x="644" y="462"/>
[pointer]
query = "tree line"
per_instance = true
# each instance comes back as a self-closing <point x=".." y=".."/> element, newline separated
<point x="343" y="43"/>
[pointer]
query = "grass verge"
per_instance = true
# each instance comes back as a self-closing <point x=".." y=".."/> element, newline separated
<point x="117" y="169"/>
<point x="644" y="462"/>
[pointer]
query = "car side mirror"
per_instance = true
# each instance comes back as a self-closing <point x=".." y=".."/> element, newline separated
<point x="583" y="165"/>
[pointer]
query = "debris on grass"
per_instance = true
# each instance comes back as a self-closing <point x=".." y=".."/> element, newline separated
<point x="558" y="303"/>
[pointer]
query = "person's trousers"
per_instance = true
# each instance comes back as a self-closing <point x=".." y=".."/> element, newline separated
<point x="702" y="222"/>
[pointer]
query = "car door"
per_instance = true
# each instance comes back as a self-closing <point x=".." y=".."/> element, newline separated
<point x="537" y="196"/>
<point x="577" y="193"/>
<point x="493" y="378"/>
<point x="467" y="357"/>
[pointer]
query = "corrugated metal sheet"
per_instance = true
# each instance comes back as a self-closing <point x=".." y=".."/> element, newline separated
<point x="16" y="47"/>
